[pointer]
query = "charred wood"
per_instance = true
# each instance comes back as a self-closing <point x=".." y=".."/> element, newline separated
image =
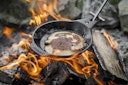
<point x="23" y="78"/>
<point x="5" y="78"/>
<point x="1" y="30"/>
<point x="55" y="73"/>
<point x="107" y="56"/>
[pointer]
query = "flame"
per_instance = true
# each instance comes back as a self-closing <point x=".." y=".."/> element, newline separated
<point x="32" y="63"/>
<point x="28" y="61"/>
<point x="41" y="9"/>
<point x="26" y="35"/>
<point x="113" y="43"/>
<point x="20" y="59"/>
<point x="83" y="64"/>
<point x="7" y="32"/>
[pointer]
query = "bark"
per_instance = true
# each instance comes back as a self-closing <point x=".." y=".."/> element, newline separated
<point x="107" y="56"/>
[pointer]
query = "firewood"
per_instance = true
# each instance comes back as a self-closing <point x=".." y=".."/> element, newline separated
<point x="108" y="56"/>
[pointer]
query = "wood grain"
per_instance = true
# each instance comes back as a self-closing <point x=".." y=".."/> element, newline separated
<point x="108" y="55"/>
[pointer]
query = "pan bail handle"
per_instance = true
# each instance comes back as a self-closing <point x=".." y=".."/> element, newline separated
<point x="93" y="18"/>
<point x="96" y="15"/>
<point x="100" y="18"/>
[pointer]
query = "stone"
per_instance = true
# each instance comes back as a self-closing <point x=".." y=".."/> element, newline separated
<point x="109" y="13"/>
<point x="1" y="30"/>
<point x="14" y="12"/>
<point x="114" y="2"/>
<point x="123" y="14"/>
<point x="69" y="9"/>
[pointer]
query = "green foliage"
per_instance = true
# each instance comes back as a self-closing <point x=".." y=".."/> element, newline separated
<point x="79" y="4"/>
<point x="114" y="2"/>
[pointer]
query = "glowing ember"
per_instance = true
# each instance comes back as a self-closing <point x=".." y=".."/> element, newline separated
<point x="8" y="31"/>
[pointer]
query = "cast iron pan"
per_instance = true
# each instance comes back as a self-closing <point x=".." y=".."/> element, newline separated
<point x="82" y="27"/>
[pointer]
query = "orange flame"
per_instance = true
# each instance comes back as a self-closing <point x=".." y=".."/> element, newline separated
<point x="8" y="31"/>
<point x="20" y="59"/>
<point x="112" y="42"/>
<point x="32" y="68"/>
<point x="41" y="9"/>
<point x="33" y="64"/>
<point x="83" y="64"/>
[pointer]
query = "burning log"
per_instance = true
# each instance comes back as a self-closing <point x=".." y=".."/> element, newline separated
<point x="55" y="73"/>
<point x="4" y="77"/>
<point x="21" y="78"/>
<point x="108" y="56"/>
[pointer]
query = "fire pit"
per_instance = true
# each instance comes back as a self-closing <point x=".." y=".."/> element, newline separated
<point x="53" y="70"/>
<point x="99" y="64"/>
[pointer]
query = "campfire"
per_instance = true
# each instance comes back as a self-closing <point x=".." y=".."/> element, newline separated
<point x="99" y="64"/>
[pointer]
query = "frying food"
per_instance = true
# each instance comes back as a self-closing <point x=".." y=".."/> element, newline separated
<point x="64" y="43"/>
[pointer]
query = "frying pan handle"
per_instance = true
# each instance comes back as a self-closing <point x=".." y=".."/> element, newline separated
<point x="90" y="21"/>
<point x="91" y="24"/>
<point x="87" y="21"/>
